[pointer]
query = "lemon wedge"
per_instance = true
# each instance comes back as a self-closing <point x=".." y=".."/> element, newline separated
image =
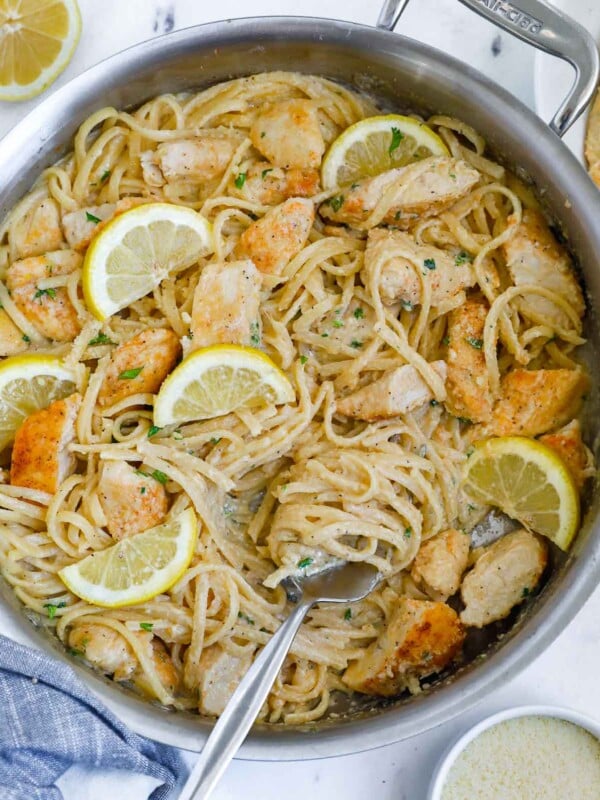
<point x="138" y="567"/>
<point x="529" y="482"/>
<point x="27" y="384"/>
<point x="37" y="41"/>
<point x="376" y="144"/>
<point x="138" y="249"/>
<point x="217" y="380"/>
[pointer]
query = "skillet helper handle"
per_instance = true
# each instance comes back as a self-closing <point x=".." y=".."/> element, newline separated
<point x="242" y="709"/>
<point x="545" y="27"/>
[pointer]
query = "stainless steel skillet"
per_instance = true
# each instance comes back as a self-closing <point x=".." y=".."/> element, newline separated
<point x="407" y="75"/>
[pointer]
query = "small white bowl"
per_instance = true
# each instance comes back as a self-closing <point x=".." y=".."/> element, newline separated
<point x="447" y="761"/>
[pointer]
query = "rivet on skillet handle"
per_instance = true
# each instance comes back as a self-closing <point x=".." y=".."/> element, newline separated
<point x="546" y="28"/>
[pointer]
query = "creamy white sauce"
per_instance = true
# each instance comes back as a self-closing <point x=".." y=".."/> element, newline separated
<point x="529" y="758"/>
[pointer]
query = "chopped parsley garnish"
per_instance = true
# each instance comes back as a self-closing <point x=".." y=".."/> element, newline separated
<point x="241" y="615"/>
<point x="129" y="374"/>
<point x="433" y="402"/>
<point x="153" y="430"/>
<point x="407" y="533"/>
<point x="305" y="562"/>
<point x="526" y="592"/>
<point x="462" y="258"/>
<point x="105" y="176"/>
<point x="25" y="338"/>
<point x="142" y="490"/>
<point x="303" y="359"/>
<point x="471" y="507"/>
<point x="72" y="651"/>
<point x="338" y="323"/>
<point x="254" y="334"/>
<point x="337" y="202"/>
<point x="159" y="476"/>
<point x="325" y="335"/>
<point x="92" y="218"/>
<point x="470" y="451"/>
<point x="348" y="613"/>
<point x="397" y="137"/>
<point x="47" y="292"/>
<point x="102" y="338"/>
<point x="215" y="440"/>
<point x="476" y="343"/>
<point x="263" y="134"/>
<point x="51" y="608"/>
<point x="464" y="420"/>
<point x="240" y="180"/>
<point x="356" y="344"/>
<point x="146" y="626"/>
<point x="426" y="655"/>
<point x="406" y="305"/>
<point x="265" y="172"/>
<point x="358" y="313"/>
<point x="446" y="340"/>
<point x="429" y="263"/>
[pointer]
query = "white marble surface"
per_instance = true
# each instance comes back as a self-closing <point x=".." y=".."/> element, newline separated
<point x="566" y="674"/>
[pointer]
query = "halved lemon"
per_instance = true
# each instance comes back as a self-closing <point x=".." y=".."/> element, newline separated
<point x="217" y="380"/>
<point x="131" y="256"/>
<point x="27" y="384"/>
<point x="529" y="482"/>
<point x="37" y="41"/>
<point x="376" y="144"/>
<point x="136" y="568"/>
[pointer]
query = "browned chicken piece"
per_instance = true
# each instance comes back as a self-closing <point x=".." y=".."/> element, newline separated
<point x="405" y="266"/>
<point x="132" y="501"/>
<point x="11" y="338"/>
<point x="165" y="669"/>
<point x="40" y="456"/>
<point x="226" y="308"/>
<point x="219" y="674"/>
<point x="439" y="565"/>
<point x="352" y="327"/>
<point x="397" y="392"/>
<point x="82" y="225"/>
<point x="272" y="242"/>
<point x="105" y="648"/>
<point x="48" y="309"/>
<point x="468" y="385"/>
<point x="421" y="638"/>
<point x="414" y="192"/>
<point x="38" y="231"/>
<point x="288" y="134"/>
<point x="568" y="444"/>
<point x="533" y="256"/>
<point x="535" y="401"/>
<point x="271" y="185"/>
<point x="140" y="365"/>
<point x="506" y="573"/>
<point x="203" y="158"/>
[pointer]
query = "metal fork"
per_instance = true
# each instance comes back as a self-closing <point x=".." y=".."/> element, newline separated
<point x="340" y="584"/>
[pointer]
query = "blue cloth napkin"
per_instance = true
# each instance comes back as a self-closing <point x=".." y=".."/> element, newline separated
<point x="49" y="721"/>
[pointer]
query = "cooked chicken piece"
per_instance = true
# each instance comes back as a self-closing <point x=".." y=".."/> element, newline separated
<point x="38" y="231"/>
<point x="288" y="134"/>
<point x="105" y="648"/>
<point x="82" y="225"/>
<point x="397" y="392"/>
<point x="132" y="501"/>
<point x="506" y="573"/>
<point x="420" y="638"/>
<point x="201" y="159"/>
<point x="165" y="669"/>
<point x="48" y="309"/>
<point x="533" y="256"/>
<point x="272" y="242"/>
<point x="404" y="267"/>
<point x="535" y="401"/>
<point x="439" y="565"/>
<point x="412" y="192"/>
<point x="40" y="455"/>
<point x="11" y="338"/>
<point x="219" y="675"/>
<point x="140" y="365"/>
<point x="468" y="384"/>
<point x="270" y="185"/>
<point x="350" y="328"/>
<point x="568" y="444"/>
<point x="226" y="306"/>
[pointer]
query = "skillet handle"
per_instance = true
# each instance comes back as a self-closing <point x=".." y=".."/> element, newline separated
<point x="545" y="27"/>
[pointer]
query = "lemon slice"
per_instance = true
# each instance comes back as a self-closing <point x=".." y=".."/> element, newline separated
<point x="217" y="380"/>
<point x="27" y="384"/>
<point x="137" y="250"/>
<point x="136" y="568"/>
<point x="376" y="144"/>
<point x="529" y="482"/>
<point x="37" y="41"/>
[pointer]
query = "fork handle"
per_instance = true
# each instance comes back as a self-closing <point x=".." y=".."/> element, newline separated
<point x="242" y="709"/>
